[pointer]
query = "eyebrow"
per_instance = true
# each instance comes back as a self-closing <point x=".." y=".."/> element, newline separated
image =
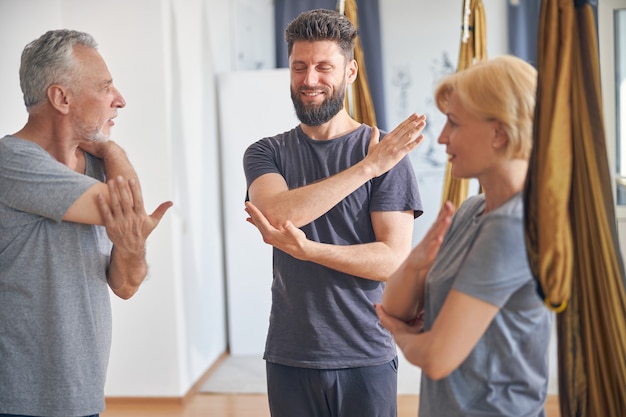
<point x="315" y="64"/>
<point x="107" y="83"/>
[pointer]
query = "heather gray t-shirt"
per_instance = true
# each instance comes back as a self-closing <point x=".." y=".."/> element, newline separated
<point x="320" y="317"/>
<point x="55" y="316"/>
<point x="506" y="374"/>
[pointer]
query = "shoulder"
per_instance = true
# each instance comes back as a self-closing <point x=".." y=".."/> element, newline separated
<point x="16" y="152"/>
<point x="513" y="208"/>
<point x="270" y="143"/>
<point x="279" y="137"/>
<point x="471" y="207"/>
<point x="11" y="145"/>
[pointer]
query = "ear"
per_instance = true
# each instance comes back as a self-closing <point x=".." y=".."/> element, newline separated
<point x="500" y="138"/>
<point x="58" y="98"/>
<point x="351" y="71"/>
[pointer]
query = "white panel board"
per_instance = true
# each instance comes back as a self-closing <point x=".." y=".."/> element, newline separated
<point x="252" y="105"/>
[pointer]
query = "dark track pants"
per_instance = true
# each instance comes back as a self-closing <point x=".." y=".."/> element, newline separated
<point x="353" y="392"/>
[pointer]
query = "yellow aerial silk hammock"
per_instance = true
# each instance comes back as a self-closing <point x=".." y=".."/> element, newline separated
<point x="473" y="49"/>
<point x="570" y="219"/>
<point x="359" y="103"/>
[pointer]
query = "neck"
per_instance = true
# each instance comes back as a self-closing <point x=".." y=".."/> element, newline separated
<point x="500" y="186"/>
<point x="55" y="140"/>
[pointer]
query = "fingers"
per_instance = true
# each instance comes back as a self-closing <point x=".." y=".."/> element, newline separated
<point x="444" y="218"/>
<point x="125" y="194"/>
<point x="105" y="211"/>
<point x="408" y="134"/>
<point x="258" y="219"/>
<point x="114" y="196"/>
<point x="119" y="202"/>
<point x="95" y="147"/>
<point x="87" y="146"/>
<point x="160" y="211"/>
<point x="126" y="201"/>
<point x="442" y="221"/>
<point x="136" y="198"/>
<point x="412" y="129"/>
<point x="291" y="228"/>
<point x="384" y="318"/>
<point x="137" y="195"/>
<point x="425" y="252"/>
<point x="375" y="135"/>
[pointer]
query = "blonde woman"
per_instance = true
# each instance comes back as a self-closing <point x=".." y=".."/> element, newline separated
<point x="483" y="342"/>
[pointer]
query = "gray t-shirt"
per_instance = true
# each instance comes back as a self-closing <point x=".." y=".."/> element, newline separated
<point x="320" y="317"/>
<point x="506" y="374"/>
<point x="55" y="314"/>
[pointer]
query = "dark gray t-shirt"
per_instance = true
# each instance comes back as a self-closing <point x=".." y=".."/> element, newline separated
<point x="55" y="315"/>
<point x="506" y="374"/>
<point x="320" y="317"/>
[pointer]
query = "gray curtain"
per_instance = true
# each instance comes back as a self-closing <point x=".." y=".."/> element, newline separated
<point x="369" y="31"/>
<point x="523" y="28"/>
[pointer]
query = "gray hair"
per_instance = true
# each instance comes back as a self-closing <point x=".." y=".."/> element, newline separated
<point x="49" y="60"/>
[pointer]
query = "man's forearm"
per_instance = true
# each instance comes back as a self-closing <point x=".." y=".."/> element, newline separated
<point x="116" y="163"/>
<point x="374" y="261"/>
<point x="304" y="204"/>
<point x="126" y="272"/>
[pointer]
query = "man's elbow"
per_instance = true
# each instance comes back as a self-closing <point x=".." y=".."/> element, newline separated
<point x="125" y="293"/>
<point x="278" y="218"/>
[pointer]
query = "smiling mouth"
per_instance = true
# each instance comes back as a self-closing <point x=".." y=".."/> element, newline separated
<point x="312" y="93"/>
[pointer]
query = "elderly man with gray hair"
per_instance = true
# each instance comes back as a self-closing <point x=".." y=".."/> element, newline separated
<point x="72" y="225"/>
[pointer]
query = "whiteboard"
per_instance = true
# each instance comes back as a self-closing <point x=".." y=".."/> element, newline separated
<point x="252" y="105"/>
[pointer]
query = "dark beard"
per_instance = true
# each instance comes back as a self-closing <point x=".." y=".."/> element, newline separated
<point x="318" y="115"/>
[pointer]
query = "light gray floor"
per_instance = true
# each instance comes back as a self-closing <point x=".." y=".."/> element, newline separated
<point x="246" y="375"/>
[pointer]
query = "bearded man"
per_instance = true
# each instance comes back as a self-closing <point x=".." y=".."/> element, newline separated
<point x="338" y="206"/>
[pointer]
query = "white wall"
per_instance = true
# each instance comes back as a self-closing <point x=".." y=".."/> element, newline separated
<point x="248" y="259"/>
<point x="166" y="57"/>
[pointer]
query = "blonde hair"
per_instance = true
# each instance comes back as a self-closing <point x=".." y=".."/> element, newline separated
<point x="502" y="89"/>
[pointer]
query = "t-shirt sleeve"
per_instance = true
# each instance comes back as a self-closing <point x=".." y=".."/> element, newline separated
<point x="496" y="266"/>
<point x="259" y="159"/>
<point x="397" y="190"/>
<point x="31" y="181"/>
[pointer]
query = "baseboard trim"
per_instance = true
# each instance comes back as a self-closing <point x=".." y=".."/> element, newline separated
<point x="195" y="388"/>
<point x="552" y="402"/>
<point x="143" y="401"/>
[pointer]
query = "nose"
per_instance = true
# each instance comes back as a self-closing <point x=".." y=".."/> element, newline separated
<point x="311" y="77"/>
<point x="119" y="101"/>
<point x="443" y="136"/>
